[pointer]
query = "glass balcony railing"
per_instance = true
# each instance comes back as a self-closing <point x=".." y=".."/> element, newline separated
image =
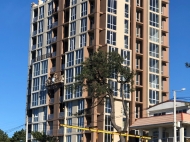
<point x="50" y="116"/>
<point x="35" y="19"/>
<point x="33" y="47"/>
<point x="54" y="39"/>
<point x="61" y="114"/>
<point x="55" y="24"/>
<point x="34" y="33"/>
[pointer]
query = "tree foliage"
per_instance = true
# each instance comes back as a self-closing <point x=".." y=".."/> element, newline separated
<point x="42" y="137"/>
<point x="98" y="71"/>
<point x="3" y="136"/>
<point x="18" y="136"/>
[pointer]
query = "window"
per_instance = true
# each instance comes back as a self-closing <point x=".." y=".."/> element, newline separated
<point x="34" y="99"/>
<point x="108" y="106"/>
<point x="126" y="57"/>
<point x="72" y="43"/>
<point x="154" y="50"/>
<point x="153" y="97"/>
<point x="73" y="28"/>
<point x="73" y="2"/>
<point x="108" y="127"/>
<point x="154" y="5"/>
<point x="43" y="82"/>
<point x="126" y="11"/>
<point x="78" y="91"/>
<point x="35" y="114"/>
<point x="80" y="123"/>
<point x="68" y="138"/>
<point x="113" y="86"/>
<point x="41" y="12"/>
<point x="125" y="91"/>
<point x="44" y="127"/>
<point x="42" y="97"/>
<point x="113" y="49"/>
<point x="36" y="69"/>
<point x="79" y="138"/>
<point x="69" y="109"/>
<point x="69" y="92"/>
<point x="154" y="20"/>
<point x="70" y="59"/>
<point x="49" y="22"/>
<point x="112" y="6"/>
<point x="35" y="84"/>
<point x="78" y="70"/>
<point x="153" y="65"/>
<point x="84" y="9"/>
<point x="126" y="41"/>
<point x="159" y="114"/>
<point x="49" y="36"/>
<point x="111" y="23"/>
<point x="111" y="37"/>
<point x="44" y="67"/>
<point x="35" y="127"/>
<point x="79" y="56"/>
<point x="73" y="13"/>
<point x="40" y="25"/>
<point x="80" y="106"/>
<point x="82" y="40"/>
<point x="40" y="40"/>
<point x="83" y="25"/>
<point x="69" y="122"/>
<point x="45" y="113"/>
<point x="126" y="26"/>
<point x="154" y="35"/>
<point x="69" y="75"/>
<point x="50" y="7"/>
<point x="154" y="81"/>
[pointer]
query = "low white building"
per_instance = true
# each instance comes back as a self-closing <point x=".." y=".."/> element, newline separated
<point x="159" y="124"/>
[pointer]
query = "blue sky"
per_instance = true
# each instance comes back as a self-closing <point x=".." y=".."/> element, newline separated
<point x="14" y="39"/>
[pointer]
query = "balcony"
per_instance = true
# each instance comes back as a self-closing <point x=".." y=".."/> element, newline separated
<point x="60" y="131"/>
<point x="33" y="47"/>
<point x="61" y="114"/>
<point x="49" y="132"/>
<point x="35" y="119"/>
<point x="35" y="19"/>
<point x="55" y="24"/>
<point x="34" y="33"/>
<point x="52" y="69"/>
<point x="53" y="54"/>
<point x="50" y="116"/>
<point x="54" y="39"/>
<point x="51" y="101"/>
<point x="29" y="119"/>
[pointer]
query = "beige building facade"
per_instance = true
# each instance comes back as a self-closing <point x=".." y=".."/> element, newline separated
<point x="64" y="32"/>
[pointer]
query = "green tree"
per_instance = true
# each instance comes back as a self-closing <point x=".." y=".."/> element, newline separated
<point x="42" y="137"/>
<point x="3" y="136"/>
<point x="18" y="136"/>
<point x="98" y="71"/>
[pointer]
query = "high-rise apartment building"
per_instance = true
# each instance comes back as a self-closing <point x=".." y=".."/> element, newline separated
<point x="64" y="32"/>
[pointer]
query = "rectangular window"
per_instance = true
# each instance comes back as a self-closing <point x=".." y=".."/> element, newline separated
<point x="153" y="81"/>
<point x="34" y="99"/>
<point x="68" y="138"/>
<point x="49" y="37"/>
<point x="83" y="40"/>
<point x="154" y="50"/>
<point x="69" y="109"/>
<point x="84" y="9"/>
<point x="36" y="69"/>
<point x="72" y="28"/>
<point x="126" y="11"/>
<point x="80" y="123"/>
<point x="45" y="113"/>
<point x="49" y="23"/>
<point x="83" y="25"/>
<point x="78" y="70"/>
<point x="108" y="127"/>
<point x="111" y="23"/>
<point x="79" y="138"/>
<point x="69" y="75"/>
<point x="126" y="26"/>
<point x="126" y="56"/>
<point x="73" y="2"/>
<point x="78" y="91"/>
<point x="108" y="106"/>
<point x="35" y="127"/>
<point x="154" y="5"/>
<point x="44" y="67"/>
<point x="79" y="56"/>
<point x="69" y="122"/>
<point x="153" y="65"/>
<point x="35" y="114"/>
<point x="80" y="106"/>
<point x="44" y="127"/>
<point x="35" y="84"/>
<point x="43" y="82"/>
<point x="72" y="43"/>
<point x="113" y="49"/>
<point x="40" y="26"/>
<point x="42" y="97"/>
<point x="154" y="20"/>
<point x="41" y="12"/>
<point x="40" y="40"/>
<point x="50" y="7"/>
<point x="154" y="35"/>
<point x="70" y="59"/>
<point x="69" y="92"/>
<point x="126" y="91"/>
<point x="153" y="97"/>
<point x="126" y="41"/>
<point x="113" y="86"/>
<point x="111" y="37"/>
<point x="73" y="13"/>
<point x="112" y="6"/>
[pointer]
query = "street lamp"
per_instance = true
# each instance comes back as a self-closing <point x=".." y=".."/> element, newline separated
<point x="174" y="93"/>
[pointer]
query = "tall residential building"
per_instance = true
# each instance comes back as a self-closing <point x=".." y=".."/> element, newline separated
<point x="64" y="32"/>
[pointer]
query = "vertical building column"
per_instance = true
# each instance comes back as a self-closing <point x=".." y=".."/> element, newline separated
<point x="181" y="134"/>
<point x="160" y="134"/>
<point x="97" y="24"/>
